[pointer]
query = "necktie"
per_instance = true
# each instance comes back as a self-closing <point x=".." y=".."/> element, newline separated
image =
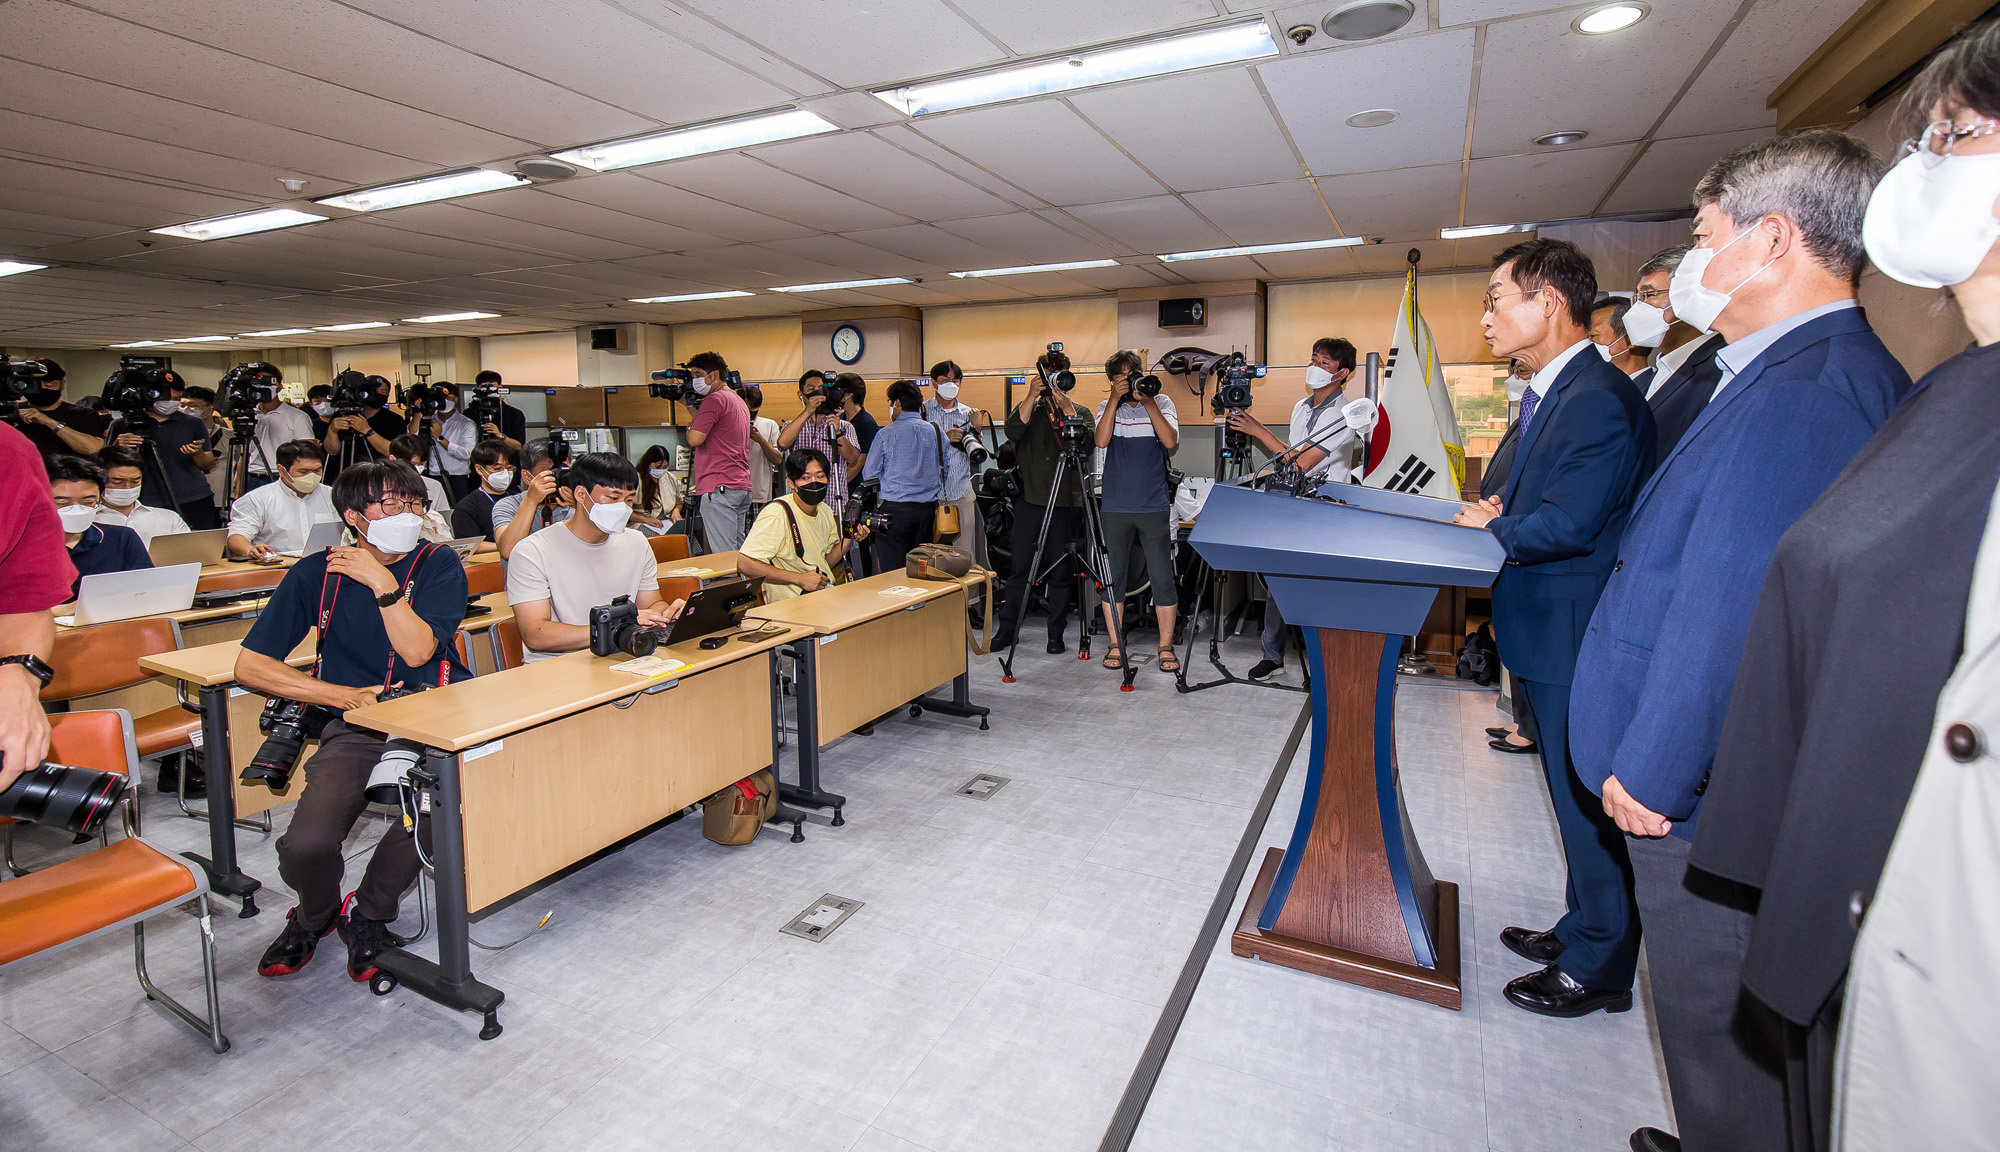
<point x="1530" y="401"/>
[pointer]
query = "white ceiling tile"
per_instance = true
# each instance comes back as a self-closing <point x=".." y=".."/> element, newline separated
<point x="466" y="222"/>
<point x="1030" y="27"/>
<point x="862" y="261"/>
<point x="1266" y="213"/>
<point x="856" y="46"/>
<point x="934" y="246"/>
<point x="1451" y="12"/>
<point x="638" y="195"/>
<point x="1027" y="238"/>
<point x="1545" y="186"/>
<point x="1314" y="265"/>
<point x="1425" y="78"/>
<point x="748" y="183"/>
<point x="1664" y="178"/>
<point x="1775" y="38"/>
<point x="917" y="144"/>
<point x="876" y="171"/>
<point x="1437" y="256"/>
<point x="134" y="201"/>
<point x="1210" y="271"/>
<point x="1150" y="226"/>
<point x="1044" y="148"/>
<point x="541" y="206"/>
<point x="108" y="151"/>
<point x="1395" y="203"/>
<point x="1207" y="130"/>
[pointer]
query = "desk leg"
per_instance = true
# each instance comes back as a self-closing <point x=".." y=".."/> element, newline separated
<point x="449" y="981"/>
<point x="960" y="703"/>
<point x="783" y="814"/>
<point x="224" y="876"/>
<point x="807" y="791"/>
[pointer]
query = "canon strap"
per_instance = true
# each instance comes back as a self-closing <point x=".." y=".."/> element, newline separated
<point x="329" y="595"/>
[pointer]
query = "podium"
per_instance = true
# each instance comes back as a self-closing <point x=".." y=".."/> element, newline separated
<point x="1351" y="897"/>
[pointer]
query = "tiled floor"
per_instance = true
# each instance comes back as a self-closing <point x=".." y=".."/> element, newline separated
<point x="994" y="993"/>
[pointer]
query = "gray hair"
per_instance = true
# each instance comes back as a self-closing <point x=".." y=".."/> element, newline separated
<point x="1619" y="305"/>
<point x="534" y="452"/>
<point x="1665" y="260"/>
<point x="1820" y="180"/>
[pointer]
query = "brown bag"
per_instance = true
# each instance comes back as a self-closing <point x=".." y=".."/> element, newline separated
<point x="937" y="562"/>
<point x="945" y="527"/>
<point x="736" y="814"/>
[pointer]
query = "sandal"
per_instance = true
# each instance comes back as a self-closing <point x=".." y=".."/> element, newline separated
<point x="1112" y="657"/>
<point x="1168" y="662"/>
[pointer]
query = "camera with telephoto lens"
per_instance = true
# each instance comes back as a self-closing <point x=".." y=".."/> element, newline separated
<point x="561" y="446"/>
<point x="1061" y="378"/>
<point x="865" y="507"/>
<point x="352" y="391"/>
<point x="615" y="629"/>
<point x="132" y="392"/>
<point x="1147" y="385"/>
<point x="483" y="406"/>
<point x="1233" y="377"/>
<point x="1001" y="484"/>
<point x="287" y="725"/>
<point x="63" y="796"/>
<point x="832" y="396"/>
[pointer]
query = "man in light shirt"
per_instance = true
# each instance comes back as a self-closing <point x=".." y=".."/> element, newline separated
<point x="762" y="453"/>
<point x="121" y="505"/>
<point x="279" y="517"/>
<point x="452" y="437"/>
<point x="277" y="423"/>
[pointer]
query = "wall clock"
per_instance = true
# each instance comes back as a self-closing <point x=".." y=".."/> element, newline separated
<point x="847" y="344"/>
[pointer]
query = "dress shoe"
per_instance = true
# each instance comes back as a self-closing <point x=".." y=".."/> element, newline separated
<point x="1550" y="992"/>
<point x="1654" y="1140"/>
<point x="1499" y="733"/>
<point x="1528" y="944"/>
<point x="1057" y="646"/>
<point x="1528" y="749"/>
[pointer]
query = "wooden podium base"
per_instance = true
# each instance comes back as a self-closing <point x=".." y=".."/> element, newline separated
<point x="1433" y="986"/>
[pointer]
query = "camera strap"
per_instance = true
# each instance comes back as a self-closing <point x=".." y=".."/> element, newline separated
<point x="798" y="541"/>
<point x="329" y="595"/>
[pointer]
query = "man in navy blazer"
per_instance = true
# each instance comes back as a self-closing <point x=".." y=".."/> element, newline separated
<point x="1804" y="382"/>
<point x="1586" y="446"/>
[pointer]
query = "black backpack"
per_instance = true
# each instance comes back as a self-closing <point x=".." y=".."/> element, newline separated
<point x="1479" y="659"/>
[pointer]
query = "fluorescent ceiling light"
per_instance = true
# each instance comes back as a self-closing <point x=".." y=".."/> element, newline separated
<point x="468" y="182"/>
<point x="198" y="339"/>
<point x="1610" y="18"/>
<point x="448" y="317"/>
<point x="1086" y="69"/>
<point x="724" y="137"/>
<point x="142" y="344"/>
<point x="1260" y="249"/>
<point x="1016" y="271"/>
<point x="241" y="224"/>
<point x="685" y="297"/>
<point x="14" y="267"/>
<point x="274" y="332"/>
<point x="1469" y="232"/>
<point x="831" y="285"/>
<point x="352" y="327"/>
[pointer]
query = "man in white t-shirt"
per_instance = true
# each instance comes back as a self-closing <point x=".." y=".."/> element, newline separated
<point x="120" y="502"/>
<point x="279" y="517"/>
<point x="277" y="423"/>
<point x="557" y="575"/>
<point x="762" y="453"/>
<point x="962" y="427"/>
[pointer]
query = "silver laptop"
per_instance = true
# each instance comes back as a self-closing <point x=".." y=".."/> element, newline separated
<point x="108" y="596"/>
<point x="324" y="534"/>
<point x="188" y="548"/>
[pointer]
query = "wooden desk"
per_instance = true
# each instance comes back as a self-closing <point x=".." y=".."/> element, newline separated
<point x="222" y="575"/>
<point x="706" y="567"/>
<point x="540" y="766"/>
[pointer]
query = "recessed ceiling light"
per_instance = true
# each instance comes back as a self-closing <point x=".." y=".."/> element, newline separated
<point x="274" y="332"/>
<point x="198" y="339"/>
<point x="1374" y="118"/>
<point x="1470" y="231"/>
<point x="1565" y="136"/>
<point x="1072" y="266"/>
<point x="1610" y="17"/>
<point x="241" y="224"/>
<point x="1260" y="249"/>
<point x="724" y="137"/>
<point x="352" y="327"/>
<point x="834" y="284"/>
<point x="467" y="182"/>
<point x="15" y="267"/>
<point x="1159" y="56"/>
<point x="142" y="344"/>
<point x="687" y="296"/>
<point x="1367" y="19"/>
<point x="448" y="317"/>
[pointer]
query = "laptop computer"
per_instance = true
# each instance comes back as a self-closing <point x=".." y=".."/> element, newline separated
<point x="204" y="547"/>
<point x="324" y="534"/>
<point x="108" y="596"/>
<point x="714" y="608"/>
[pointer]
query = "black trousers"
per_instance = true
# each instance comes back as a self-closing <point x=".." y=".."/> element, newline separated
<point x="309" y="853"/>
<point x="254" y="480"/>
<point x="1809" y="1069"/>
<point x="200" y="515"/>
<point x="1064" y="526"/>
<point x="910" y="524"/>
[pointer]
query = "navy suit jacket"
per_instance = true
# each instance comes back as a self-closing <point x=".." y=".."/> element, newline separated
<point x="1659" y="662"/>
<point x="1576" y="471"/>
<point x="1682" y="396"/>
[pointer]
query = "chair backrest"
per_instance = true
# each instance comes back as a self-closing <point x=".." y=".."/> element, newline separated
<point x="240" y="581"/>
<point x="511" y="653"/>
<point x="667" y="548"/>
<point x="100" y="739"/>
<point x="481" y="579"/>
<point x="103" y="657"/>
<point x="675" y="588"/>
<point x="458" y="642"/>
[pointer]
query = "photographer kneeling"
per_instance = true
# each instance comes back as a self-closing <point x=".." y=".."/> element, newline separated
<point x="557" y="575"/>
<point x="1141" y="434"/>
<point x="387" y="609"/>
<point x="795" y="545"/>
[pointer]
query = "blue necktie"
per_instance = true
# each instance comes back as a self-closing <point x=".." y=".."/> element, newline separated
<point x="1530" y="400"/>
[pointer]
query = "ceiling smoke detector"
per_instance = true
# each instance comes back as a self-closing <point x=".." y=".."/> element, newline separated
<point x="1367" y="19"/>
<point x="293" y="184"/>
<point x="1300" y="33"/>
<point x="541" y="168"/>
<point x="1558" y="139"/>
<point x="1374" y="118"/>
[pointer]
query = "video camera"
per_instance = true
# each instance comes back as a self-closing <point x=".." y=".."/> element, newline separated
<point x="242" y="389"/>
<point x="483" y="406"/>
<point x="18" y="378"/>
<point x="132" y="392"/>
<point x="353" y="391"/>
<point x="426" y="399"/>
<point x="615" y="628"/>
<point x="676" y="384"/>
<point x="1233" y="377"/>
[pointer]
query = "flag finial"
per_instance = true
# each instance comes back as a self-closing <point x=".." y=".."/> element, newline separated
<point x="1413" y="256"/>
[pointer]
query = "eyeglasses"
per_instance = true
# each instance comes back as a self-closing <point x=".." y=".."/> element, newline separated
<point x="1491" y="296"/>
<point x="1648" y="295"/>
<point x="1941" y="136"/>
<point x="396" y="505"/>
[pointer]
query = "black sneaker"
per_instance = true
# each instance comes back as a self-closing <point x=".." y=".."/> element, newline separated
<point x="365" y="939"/>
<point x="174" y="766"/>
<point x="1057" y="646"/>
<point x="294" y="947"/>
<point x="1265" y="669"/>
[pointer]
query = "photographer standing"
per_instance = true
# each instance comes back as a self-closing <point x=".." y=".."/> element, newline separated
<point x="795" y="546"/>
<point x="537" y="505"/>
<point x="1031" y="425"/>
<point x="820" y="427"/>
<point x="451" y="437"/>
<point x="387" y="609"/>
<point x="513" y="425"/>
<point x="720" y="437"/>
<point x="556" y="576"/>
<point x="53" y="424"/>
<point x="277" y="423"/>
<point x="1314" y="420"/>
<point x="1138" y="502"/>
<point x="367" y="435"/>
<point x="865" y="427"/>
<point x="962" y="427"/>
<point x="173" y="455"/>
<point x="909" y="461"/>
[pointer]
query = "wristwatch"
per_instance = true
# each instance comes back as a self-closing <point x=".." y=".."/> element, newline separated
<point x="388" y="598"/>
<point x="34" y="664"/>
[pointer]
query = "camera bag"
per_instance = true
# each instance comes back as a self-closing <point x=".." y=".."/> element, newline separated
<point x="946" y="526"/>
<point x="735" y="814"/>
<point x="938" y="561"/>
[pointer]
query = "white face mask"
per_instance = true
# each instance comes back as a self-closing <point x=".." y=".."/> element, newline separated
<point x="1697" y="303"/>
<point x="1930" y="222"/>
<point x="324" y="410"/>
<point x="611" y="518"/>
<point x="659" y="473"/>
<point x="1646" y="325"/>
<point x="77" y="517"/>
<point x="946" y="390"/>
<point x="167" y="407"/>
<point x="699" y="385"/>
<point x="396" y="534"/>
<point x="1516" y="388"/>
<point x="447" y="408"/>
<point x="499" y="480"/>
<point x="1317" y="377"/>
<point x="122" y="497"/>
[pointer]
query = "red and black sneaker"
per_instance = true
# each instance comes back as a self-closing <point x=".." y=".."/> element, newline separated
<point x="293" y="949"/>
<point x="365" y="938"/>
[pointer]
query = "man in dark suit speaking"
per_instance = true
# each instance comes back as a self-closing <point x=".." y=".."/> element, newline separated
<point x="1586" y="446"/>
<point x="1804" y="382"/>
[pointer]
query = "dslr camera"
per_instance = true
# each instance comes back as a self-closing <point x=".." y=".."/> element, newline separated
<point x="867" y="507"/>
<point x="832" y="396"/>
<point x="483" y="406"/>
<point x="615" y="629"/>
<point x="287" y="725"/>
<point x="1062" y="377"/>
<point x="1233" y="377"/>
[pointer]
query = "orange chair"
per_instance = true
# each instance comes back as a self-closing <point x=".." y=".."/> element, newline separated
<point x="667" y="548"/>
<point x="674" y="588"/>
<point x="482" y="579"/>
<point x="507" y="649"/>
<point x="125" y="882"/>
<point x="105" y="657"/>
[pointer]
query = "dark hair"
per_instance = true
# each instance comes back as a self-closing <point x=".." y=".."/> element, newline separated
<point x="753" y="396"/>
<point x="116" y="457"/>
<point x="487" y="453"/>
<point x="376" y="385"/>
<point x="1339" y="350"/>
<point x="319" y="392"/>
<point x="1619" y="305"/>
<point x="906" y="395"/>
<point x="487" y="377"/>
<point x="197" y="392"/>
<point x="534" y="452"/>
<point x="649" y="488"/>
<point x="292" y="451"/>
<point x="944" y="368"/>
<point x="1053" y="361"/>
<point x="1965" y="73"/>
<point x="1820" y="180"/>
<point x="64" y="467"/>
<point x="798" y="459"/>
<point x="812" y="374"/>
<point x="360" y="485"/>
<point x="602" y="470"/>
<point x="1126" y="359"/>
<point x="407" y="447"/>
<point x="1546" y="262"/>
<point x="708" y="362"/>
<point x="54" y="370"/>
<point x="854" y="384"/>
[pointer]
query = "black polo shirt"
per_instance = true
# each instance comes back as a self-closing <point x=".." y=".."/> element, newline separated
<point x="48" y="441"/>
<point x="168" y="476"/>
<point x="473" y="516"/>
<point x="354" y="649"/>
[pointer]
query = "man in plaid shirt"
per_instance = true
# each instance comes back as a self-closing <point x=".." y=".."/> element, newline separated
<point x="824" y="431"/>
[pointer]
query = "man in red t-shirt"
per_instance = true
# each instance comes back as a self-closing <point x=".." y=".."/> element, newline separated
<point x="35" y="576"/>
<point x="720" y="437"/>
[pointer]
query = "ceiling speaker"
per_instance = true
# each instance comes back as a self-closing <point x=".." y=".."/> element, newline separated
<point x="1367" y="19"/>
<point x="543" y="169"/>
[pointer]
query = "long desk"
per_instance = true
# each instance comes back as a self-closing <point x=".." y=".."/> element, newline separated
<point x="706" y="567"/>
<point x="538" y="767"/>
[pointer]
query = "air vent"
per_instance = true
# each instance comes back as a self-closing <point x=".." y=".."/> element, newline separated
<point x="542" y="169"/>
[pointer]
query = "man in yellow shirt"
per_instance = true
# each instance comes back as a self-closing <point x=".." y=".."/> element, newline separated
<point x="796" y="542"/>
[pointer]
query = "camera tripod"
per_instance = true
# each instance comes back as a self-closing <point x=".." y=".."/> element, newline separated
<point x="1090" y="568"/>
<point x="1208" y="591"/>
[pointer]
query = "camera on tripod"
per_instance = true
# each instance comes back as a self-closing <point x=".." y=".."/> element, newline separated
<point x="353" y="391"/>
<point x="1233" y="377"/>
<point x="20" y="377"/>
<point x="615" y="629"/>
<point x="132" y="392"/>
<point x="287" y="725"/>
<point x="241" y="390"/>
<point x="426" y="399"/>
<point x="483" y="406"/>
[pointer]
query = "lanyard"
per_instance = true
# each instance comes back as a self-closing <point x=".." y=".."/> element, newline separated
<point x="329" y="596"/>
